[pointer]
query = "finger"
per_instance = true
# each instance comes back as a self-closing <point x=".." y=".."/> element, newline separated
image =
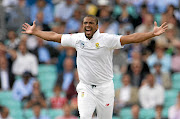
<point x="23" y="31"/>
<point x="34" y="22"/>
<point x="164" y="30"/>
<point x="165" y="27"/>
<point x="25" y="26"/>
<point x="164" y="24"/>
<point x="155" y="23"/>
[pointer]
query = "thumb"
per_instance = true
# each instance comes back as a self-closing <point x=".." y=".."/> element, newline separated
<point x="155" y="23"/>
<point x="34" y="23"/>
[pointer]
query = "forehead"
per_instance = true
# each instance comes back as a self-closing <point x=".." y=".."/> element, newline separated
<point x="89" y="19"/>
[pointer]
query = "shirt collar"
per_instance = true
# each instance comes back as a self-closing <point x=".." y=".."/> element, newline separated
<point x="96" y="34"/>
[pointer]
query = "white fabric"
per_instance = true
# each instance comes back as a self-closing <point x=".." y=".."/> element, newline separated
<point x="4" y="80"/>
<point x="125" y="93"/>
<point x="150" y="97"/>
<point x="94" y="56"/>
<point x="27" y="62"/>
<point x="174" y="112"/>
<point x="100" y="97"/>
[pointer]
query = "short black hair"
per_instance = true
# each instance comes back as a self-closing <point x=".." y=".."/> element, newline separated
<point x="92" y="16"/>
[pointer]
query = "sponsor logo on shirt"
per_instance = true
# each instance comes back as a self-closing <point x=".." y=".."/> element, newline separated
<point x="97" y="45"/>
<point x="82" y="44"/>
<point x="107" y="104"/>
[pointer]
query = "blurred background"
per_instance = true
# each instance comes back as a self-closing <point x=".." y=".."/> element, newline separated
<point x="38" y="78"/>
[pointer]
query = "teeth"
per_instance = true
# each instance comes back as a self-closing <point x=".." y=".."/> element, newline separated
<point x="88" y="29"/>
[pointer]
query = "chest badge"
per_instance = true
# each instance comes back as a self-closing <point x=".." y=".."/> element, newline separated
<point x="97" y="45"/>
<point x="82" y="94"/>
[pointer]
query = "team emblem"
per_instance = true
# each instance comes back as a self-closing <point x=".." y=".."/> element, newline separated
<point x="82" y="94"/>
<point x="97" y="45"/>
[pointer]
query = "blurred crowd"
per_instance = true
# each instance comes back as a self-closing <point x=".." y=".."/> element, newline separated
<point x="145" y="69"/>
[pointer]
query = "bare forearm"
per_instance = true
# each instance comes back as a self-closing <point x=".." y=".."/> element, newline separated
<point x="136" y="37"/>
<point x="140" y="37"/>
<point x="48" y="35"/>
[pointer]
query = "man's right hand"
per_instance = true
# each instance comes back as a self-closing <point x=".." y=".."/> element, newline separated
<point x="46" y="35"/>
<point x="29" y="29"/>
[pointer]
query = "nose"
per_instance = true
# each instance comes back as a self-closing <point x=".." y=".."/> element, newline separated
<point x="87" y="24"/>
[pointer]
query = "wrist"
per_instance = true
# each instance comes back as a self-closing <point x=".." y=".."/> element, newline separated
<point x="153" y="34"/>
<point x="35" y="32"/>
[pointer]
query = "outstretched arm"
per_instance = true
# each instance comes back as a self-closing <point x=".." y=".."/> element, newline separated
<point x="140" y="37"/>
<point x="46" y="35"/>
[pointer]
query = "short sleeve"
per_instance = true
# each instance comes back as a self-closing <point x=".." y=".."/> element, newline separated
<point x="69" y="40"/>
<point x="113" y="41"/>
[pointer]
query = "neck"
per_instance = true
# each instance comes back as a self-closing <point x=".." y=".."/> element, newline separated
<point x="158" y="72"/>
<point x="89" y="38"/>
<point x="151" y="86"/>
<point x="68" y="71"/>
<point x="92" y="35"/>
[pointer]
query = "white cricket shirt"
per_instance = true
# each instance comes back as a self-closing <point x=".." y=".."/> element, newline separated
<point x="94" y="56"/>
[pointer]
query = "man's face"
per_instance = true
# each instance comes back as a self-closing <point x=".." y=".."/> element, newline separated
<point x="151" y="80"/>
<point x="90" y="26"/>
<point x="126" y="80"/>
<point x="22" y="48"/>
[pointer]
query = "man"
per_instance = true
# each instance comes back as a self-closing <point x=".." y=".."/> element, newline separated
<point x="162" y="78"/>
<point x="135" y="110"/>
<point x="36" y="96"/>
<point x="4" y="113"/>
<point x="94" y="62"/>
<point x="151" y="94"/>
<point x="65" y="79"/>
<point x="127" y="95"/>
<point x="24" y="61"/>
<point x="159" y="112"/>
<point x="137" y="73"/>
<point x="37" y="109"/>
<point x="23" y="87"/>
<point x="6" y="77"/>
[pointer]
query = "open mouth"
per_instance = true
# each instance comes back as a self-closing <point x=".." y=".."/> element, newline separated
<point x="88" y="30"/>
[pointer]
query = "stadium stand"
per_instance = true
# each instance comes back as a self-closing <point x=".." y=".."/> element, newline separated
<point x="124" y="17"/>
